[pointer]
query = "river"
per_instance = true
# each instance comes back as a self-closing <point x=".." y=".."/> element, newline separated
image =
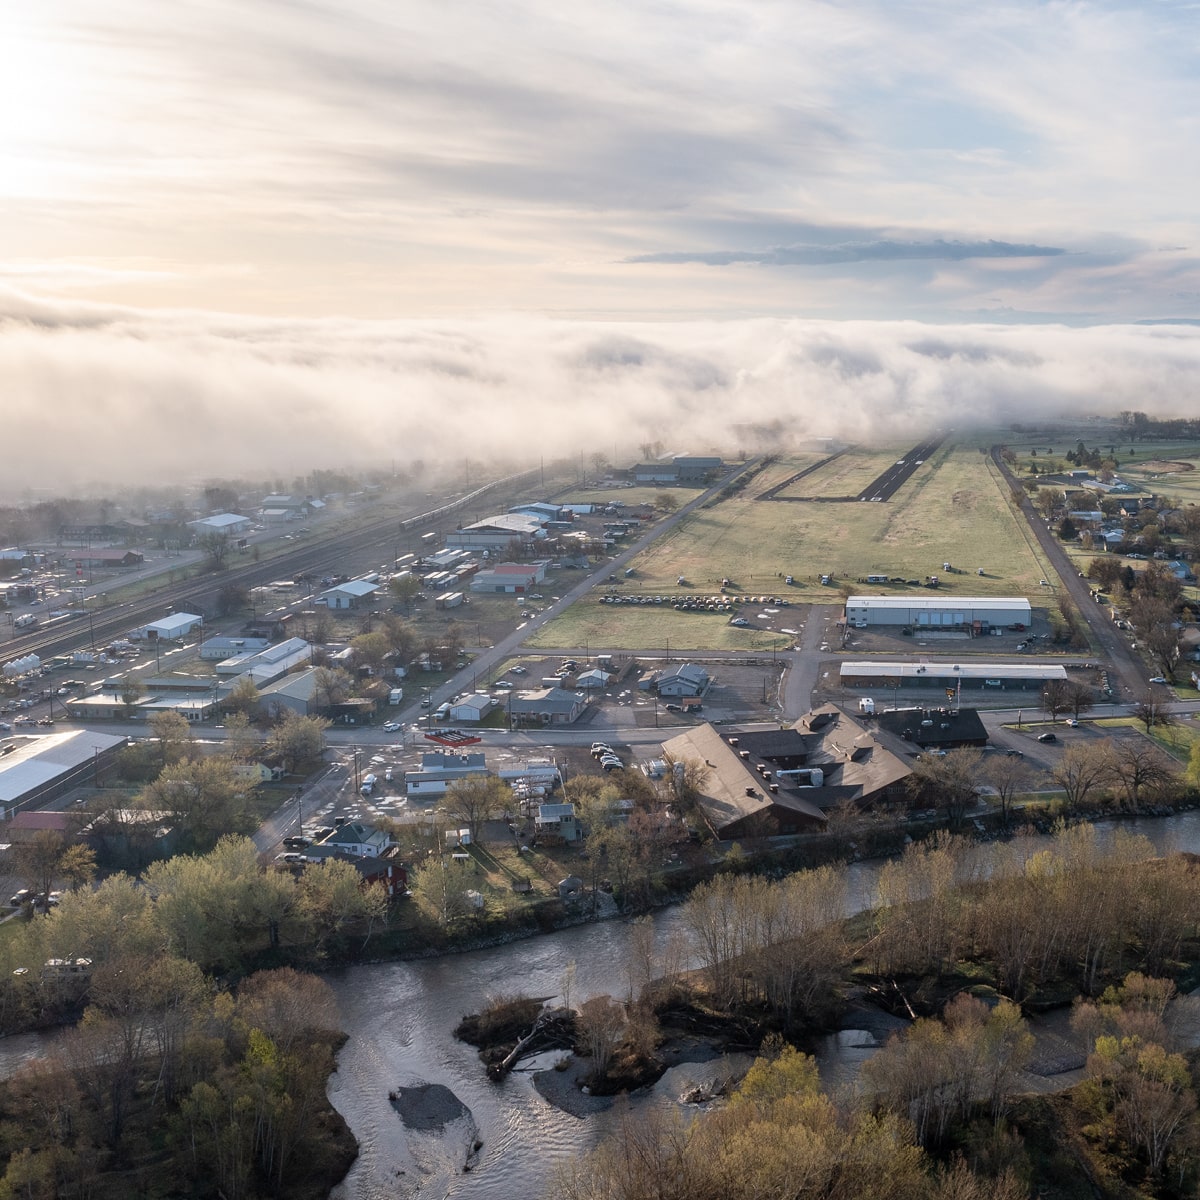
<point x="400" y="1017"/>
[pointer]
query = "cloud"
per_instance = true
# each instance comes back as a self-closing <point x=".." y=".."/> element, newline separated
<point x="109" y="393"/>
<point x="851" y="252"/>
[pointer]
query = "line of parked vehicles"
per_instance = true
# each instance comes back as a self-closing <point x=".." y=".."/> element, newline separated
<point x="607" y="757"/>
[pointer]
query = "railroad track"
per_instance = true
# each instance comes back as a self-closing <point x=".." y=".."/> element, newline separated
<point x="321" y="553"/>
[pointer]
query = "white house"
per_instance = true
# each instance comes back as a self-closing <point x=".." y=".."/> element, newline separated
<point x="687" y="679"/>
<point x="354" y="838"/>
<point x="472" y="708"/>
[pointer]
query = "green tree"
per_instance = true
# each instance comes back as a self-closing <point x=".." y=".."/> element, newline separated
<point x="297" y="741"/>
<point x="370" y="649"/>
<point x="474" y="800"/>
<point x="204" y="797"/>
<point x="131" y="691"/>
<point x="245" y="698"/>
<point x="173" y="732"/>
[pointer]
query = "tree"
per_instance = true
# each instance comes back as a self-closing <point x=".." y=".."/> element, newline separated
<point x="1152" y="711"/>
<point x="370" y="649"/>
<point x="174" y="734"/>
<point x="1078" y="696"/>
<point x="297" y="740"/>
<point x="1046" y="500"/>
<point x="402" y="638"/>
<point x="1057" y="698"/>
<point x="474" y="800"/>
<point x="1137" y="765"/>
<point x="331" y="687"/>
<point x="245" y="698"/>
<point x="216" y="546"/>
<point x="601" y="1024"/>
<point x="1081" y="770"/>
<point x="232" y="597"/>
<point x="204" y="797"/>
<point x="1008" y="778"/>
<point x="666" y="502"/>
<point x="333" y="899"/>
<point x="404" y="587"/>
<point x="946" y="782"/>
<point x="1068" y="531"/>
<point x="77" y="865"/>
<point x="131" y="691"/>
<point x="243" y="743"/>
<point x="37" y="859"/>
<point x="440" y="891"/>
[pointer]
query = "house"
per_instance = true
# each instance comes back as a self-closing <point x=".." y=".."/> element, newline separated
<point x="355" y="839"/>
<point x="570" y="887"/>
<point x="99" y="560"/>
<point x="557" y="825"/>
<point x="542" y="510"/>
<point x="595" y="678"/>
<point x="661" y="472"/>
<point x="26" y="825"/>
<point x="694" y="469"/>
<point x="230" y="524"/>
<point x="439" y="769"/>
<point x="277" y="509"/>
<point x="354" y="593"/>
<point x="546" y="706"/>
<point x="687" y="679"/>
<point x="472" y="708"/>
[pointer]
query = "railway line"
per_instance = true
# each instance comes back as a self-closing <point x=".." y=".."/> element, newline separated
<point x="321" y="553"/>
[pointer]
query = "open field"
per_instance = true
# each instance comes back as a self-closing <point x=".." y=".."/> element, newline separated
<point x="847" y="474"/>
<point x="590" y="623"/>
<point x="954" y="509"/>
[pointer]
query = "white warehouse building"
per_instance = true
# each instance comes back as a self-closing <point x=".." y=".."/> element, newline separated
<point x="951" y="612"/>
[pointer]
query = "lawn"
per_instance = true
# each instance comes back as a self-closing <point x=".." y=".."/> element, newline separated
<point x="1177" y="740"/>
<point x="955" y="508"/>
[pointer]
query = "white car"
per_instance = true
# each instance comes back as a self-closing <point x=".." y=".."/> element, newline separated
<point x="740" y="622"/>
<point x="391" y="726"/>
<point x="1157" y="679"/>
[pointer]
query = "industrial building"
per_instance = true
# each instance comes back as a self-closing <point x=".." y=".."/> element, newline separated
<point x="977" y="613"/>
<point x="990" y="676"/>
<point x="41" y="769"/>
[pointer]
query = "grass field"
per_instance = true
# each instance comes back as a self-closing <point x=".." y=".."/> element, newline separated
<point x="847" y="474"/>
<point x="955" y="509"/>
<point x="634" y="497"/>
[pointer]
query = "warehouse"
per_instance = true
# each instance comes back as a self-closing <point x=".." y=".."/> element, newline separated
<point x="946" y="612"/>
<point x="988" y="676"/>
<point x="43" y="768"/>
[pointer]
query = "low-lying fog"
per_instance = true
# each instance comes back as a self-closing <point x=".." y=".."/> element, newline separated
<point x="94" y="392"/>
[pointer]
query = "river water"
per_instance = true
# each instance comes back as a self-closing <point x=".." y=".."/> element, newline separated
<point x="400" y="1017"/>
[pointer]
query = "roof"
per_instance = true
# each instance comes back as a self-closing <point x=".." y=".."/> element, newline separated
<point x="354" y="587"/>
<point x="555" y="812"/>
<point x="56" y="821"/>
<point x="512" y="522"/>
<point x="301" y="686"/>
<point x="354" y="833"/>
<point x="38" y="761"/>
<point x="545" y="700"/>
<point x="174" y="623"/>
<point x="938" y="671"/>
<point x="1013" y="604"/>
<point x="221" y="521"/>
<point x="690" y="672"/>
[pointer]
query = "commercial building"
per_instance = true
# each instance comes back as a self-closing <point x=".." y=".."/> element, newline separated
<point x="228" y="523"/>
<point x="546" y="706"/>
<point x="172" y="628"/>
<point x="439" y="769"/>
<point x="990" y="676"/>
<point x="269" y="664"/>
<point x="938" y="611"/>
<point x="497" y="532"/>
<point x="354" y="593"/>
<point x="41" y="769"/>
<point x="784" y="781"/>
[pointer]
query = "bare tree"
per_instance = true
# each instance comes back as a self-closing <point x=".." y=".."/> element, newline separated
<point x="1137" y="765"/>
<point x="1152" y="711"/>
<point x="946" y="781"/>
<point x="1057" y="697"/>
<point x="1008" y="778"/>
<point x="474" y="800"/>
<point x="1082" y="770"/>
<point x="601" y="1024"/>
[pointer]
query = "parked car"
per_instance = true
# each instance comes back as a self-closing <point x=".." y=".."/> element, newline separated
<point x="740" y="622"/>
<point x="1157" y="679"/>
<point x="1047" y="737"/>
<point x="21" y="897"/>
<point x="296" y="842"/>
<point x="519" y="670"/>
<point x="1073" y="724"/>
<point x="674" y="708"/>
<point x="390" y="726"/>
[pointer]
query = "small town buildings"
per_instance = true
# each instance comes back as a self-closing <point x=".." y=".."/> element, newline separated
<point x="512" y="578"/>
<point x="100" y="560"/>
<point x="593" y="679"/>
<point x="355" y="839"/>
<point x="946" y="612"/>
<point x="937" y="728"/>
<point x="296" y="693"/>
<point x="546" y="706"/>
<point x="227" y="523"/>
<point x="217" y="649"/>
<point x="354" y="593"/>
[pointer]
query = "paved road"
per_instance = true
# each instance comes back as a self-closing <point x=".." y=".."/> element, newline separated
<point x="510" y="645"/>
<point x="1128" y="674"/>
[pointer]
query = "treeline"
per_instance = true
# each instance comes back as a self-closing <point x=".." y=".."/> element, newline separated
<point x="171" y="1087"/>
<point x="221" y="912"/>
<point x="964" y="935"/>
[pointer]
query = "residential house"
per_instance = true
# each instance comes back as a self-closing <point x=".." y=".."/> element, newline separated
<point x="557" y="825"/>
<point x="546" y="706"/>
<point x="686" y="679"/>
<point x="354" y="593"/>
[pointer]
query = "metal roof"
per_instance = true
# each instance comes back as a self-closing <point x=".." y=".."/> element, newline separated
<point x="942" y="670"/>
<point x="943" y="601"/>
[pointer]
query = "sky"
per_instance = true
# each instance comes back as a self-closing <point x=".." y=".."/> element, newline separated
<point x="449" y="223"/>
